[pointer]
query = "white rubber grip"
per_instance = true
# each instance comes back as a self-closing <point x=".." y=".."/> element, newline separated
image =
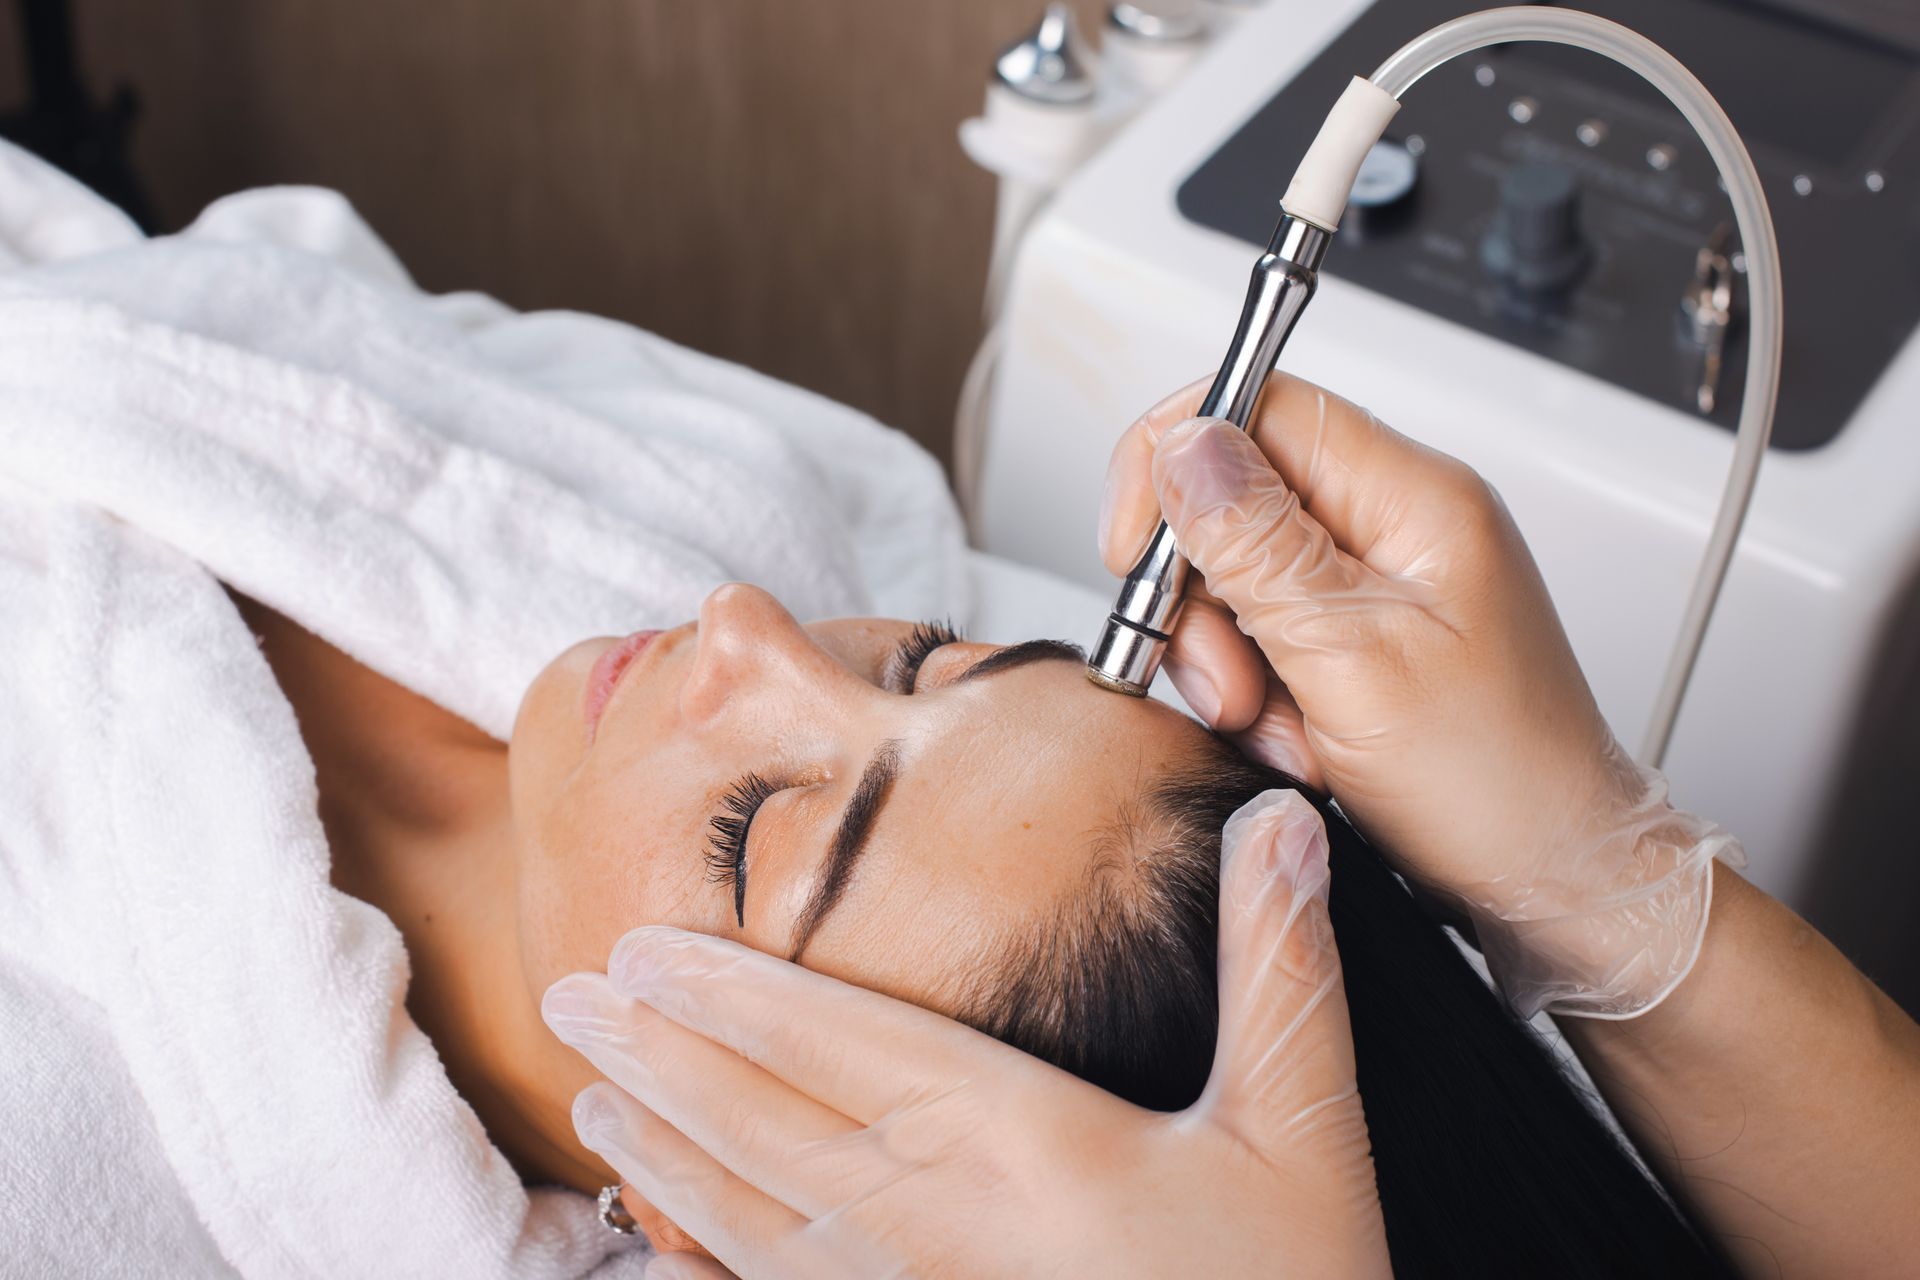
<point x="1318" y="192"/>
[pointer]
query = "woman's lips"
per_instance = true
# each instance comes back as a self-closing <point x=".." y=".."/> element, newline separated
<point x="606" y="673"/>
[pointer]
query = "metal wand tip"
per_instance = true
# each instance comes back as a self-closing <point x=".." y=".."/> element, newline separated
<point x="1108" y="682"/>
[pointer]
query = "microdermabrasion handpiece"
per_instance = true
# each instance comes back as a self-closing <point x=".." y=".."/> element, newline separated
<point x="1142" y="620"/>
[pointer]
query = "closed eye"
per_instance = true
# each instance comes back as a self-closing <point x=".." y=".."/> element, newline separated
<point x="903" y="664"/>
<point x="727" y="837"/>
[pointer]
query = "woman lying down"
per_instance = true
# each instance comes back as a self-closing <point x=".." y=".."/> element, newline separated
<point x="303" y="814"/>
<point x="975" y="828"/>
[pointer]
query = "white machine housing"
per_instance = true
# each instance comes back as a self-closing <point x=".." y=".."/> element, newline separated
<point x="1117" y="298"/>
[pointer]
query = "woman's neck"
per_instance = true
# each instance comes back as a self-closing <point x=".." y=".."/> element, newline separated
<point x="415" y="805"/>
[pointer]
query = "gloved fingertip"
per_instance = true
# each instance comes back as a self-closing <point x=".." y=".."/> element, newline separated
<point x="1210" y="650"/>
<point x="1128" y="510"/>
<point x="641" y="956"/>
<point x="1284" y="832"/>
<point x="596" y="1119"/>
<point x="579" y="1005"/>
<point x="1205" y="465"/>
<point x="1175" y="434"/>
<point x="1158" y="426"/>
<point x="1138" y="523"/>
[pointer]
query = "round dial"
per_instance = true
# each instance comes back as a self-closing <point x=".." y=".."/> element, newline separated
<point x="1388" y="173"/>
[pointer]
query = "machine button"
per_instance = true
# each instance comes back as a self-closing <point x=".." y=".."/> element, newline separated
<point x="1535" y="241"/>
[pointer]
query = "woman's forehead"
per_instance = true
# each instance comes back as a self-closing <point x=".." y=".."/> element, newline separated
<point x="997" y="813"/>
<point x="1047" y="735"/>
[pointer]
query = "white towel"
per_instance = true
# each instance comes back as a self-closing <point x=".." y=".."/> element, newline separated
<point x="204" y="1053"/>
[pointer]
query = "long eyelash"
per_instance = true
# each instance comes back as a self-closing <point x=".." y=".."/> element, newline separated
<point x="727" y="840"/>
<point x="904" y="664"/>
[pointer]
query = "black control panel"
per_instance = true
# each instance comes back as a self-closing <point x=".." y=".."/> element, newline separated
<point x="1547" y="198"/>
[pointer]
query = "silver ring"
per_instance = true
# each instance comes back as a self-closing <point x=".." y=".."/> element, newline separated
<point x="613" y="1214"/>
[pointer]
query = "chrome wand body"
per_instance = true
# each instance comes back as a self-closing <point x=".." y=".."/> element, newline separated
<point x="1143" y="617"/>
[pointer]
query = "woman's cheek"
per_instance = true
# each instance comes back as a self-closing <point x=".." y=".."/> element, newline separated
<point x="603" y="860"/>
<point x="549" y="729"/>
<point x="587" y="874"/>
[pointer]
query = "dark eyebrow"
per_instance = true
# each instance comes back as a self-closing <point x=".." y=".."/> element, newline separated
<point x="1019" y="655"/>
<point x="870" y="793"/>
<point x="849" y="842"/>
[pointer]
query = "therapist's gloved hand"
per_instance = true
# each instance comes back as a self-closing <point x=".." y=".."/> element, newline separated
<point x="799" y="1127"/>
<point x="1372" y="622"/>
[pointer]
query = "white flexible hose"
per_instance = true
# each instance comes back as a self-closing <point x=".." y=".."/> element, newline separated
<point x="1032" y="149"/>
<point x="1765" y="318"/>
<point x="970" y="426"/>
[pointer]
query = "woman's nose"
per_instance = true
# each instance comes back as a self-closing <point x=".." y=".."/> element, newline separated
<point x="751" y="657"/>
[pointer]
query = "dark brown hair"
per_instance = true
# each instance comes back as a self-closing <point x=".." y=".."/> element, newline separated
<point x="1490" y="1161"/>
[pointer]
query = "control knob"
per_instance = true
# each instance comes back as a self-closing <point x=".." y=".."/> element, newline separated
<point x="1535" y="241"/>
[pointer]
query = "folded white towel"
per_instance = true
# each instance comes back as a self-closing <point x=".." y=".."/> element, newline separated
<point x="197" y="1033"/>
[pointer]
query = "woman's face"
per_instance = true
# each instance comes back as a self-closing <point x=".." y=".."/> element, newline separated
<point x="859" y="794"/>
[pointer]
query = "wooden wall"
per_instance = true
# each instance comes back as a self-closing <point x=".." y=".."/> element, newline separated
<point x="773" y="181"/>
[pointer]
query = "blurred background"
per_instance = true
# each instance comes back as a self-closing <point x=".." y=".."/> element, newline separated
<point x="773" y="182"/>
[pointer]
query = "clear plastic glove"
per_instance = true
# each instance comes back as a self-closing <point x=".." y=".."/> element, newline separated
<point x="800" y="1127"/>
<point x="1372" y="622"/>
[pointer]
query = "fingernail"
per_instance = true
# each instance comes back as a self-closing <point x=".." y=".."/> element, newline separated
<point x="576" y="1008"/>
<point x="1300" y="848"/>
<point x="1178" y="432"/>
<point x="595" y="1121"/>
<point x="1196" y="686"/>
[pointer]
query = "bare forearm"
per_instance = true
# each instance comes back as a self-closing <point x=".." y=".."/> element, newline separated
<point x="1779" y="1091"/>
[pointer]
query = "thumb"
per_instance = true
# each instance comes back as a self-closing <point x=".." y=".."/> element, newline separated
<point x="1278" y="736"/>
<point x="1285" y="1064"/>
<point x="1244" y="529"/>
